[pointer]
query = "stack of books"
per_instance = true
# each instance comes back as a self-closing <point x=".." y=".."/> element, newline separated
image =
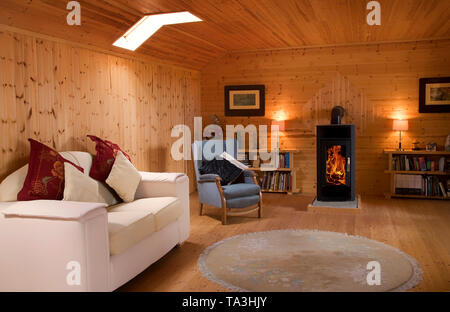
<point x="407" y="163"/>
<point x="420" y="185"/>
<point x="284" y="160"/>
<point x="276" y="181"/>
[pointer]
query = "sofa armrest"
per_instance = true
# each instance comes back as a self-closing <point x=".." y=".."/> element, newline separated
<point x="156" y="184"/>
<point x="43" y="241"/>
<point x="53" y="210"/>
<point x="159" y="184"/>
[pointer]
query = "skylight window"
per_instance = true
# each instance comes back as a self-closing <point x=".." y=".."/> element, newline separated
<point x="149" y="25"/>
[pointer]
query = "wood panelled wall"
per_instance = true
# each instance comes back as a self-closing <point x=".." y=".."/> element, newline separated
<point x="375" y="83"/>
<point x="58" y="93"/>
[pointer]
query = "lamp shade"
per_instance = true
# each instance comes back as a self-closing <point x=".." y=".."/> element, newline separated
<point x="400" y="125"/>
<point x="279" y="123"/>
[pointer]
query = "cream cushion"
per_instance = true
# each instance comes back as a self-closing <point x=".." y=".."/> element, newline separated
<point x="12" y="185"/>
<point x="129" y="223"/>
<point x="82" y="159"/>
<point x="124" y="178"/>
<point x="80" y="187"/>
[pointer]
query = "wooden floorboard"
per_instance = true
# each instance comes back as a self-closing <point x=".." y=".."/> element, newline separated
<point x="417" y="227"/>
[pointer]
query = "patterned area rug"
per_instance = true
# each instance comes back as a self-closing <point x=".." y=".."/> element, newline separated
<point x="306" y="260"/>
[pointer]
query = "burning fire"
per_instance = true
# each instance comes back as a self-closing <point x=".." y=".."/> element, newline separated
<point x="335" y="166"/>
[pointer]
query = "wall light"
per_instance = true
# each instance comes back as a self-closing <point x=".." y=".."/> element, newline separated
<point x="150" y="24"/>
<point x="279" y="115"/>
<point x="280" y="123"/>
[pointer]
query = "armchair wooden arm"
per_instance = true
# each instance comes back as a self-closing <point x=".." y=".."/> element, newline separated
<point x="227" y="212"/>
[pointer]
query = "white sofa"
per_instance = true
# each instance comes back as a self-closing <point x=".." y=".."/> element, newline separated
<point x="41" y="240"/>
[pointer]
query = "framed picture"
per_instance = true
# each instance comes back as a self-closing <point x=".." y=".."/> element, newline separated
<point x="434" y="95"/>
<point x="245" y="100"/>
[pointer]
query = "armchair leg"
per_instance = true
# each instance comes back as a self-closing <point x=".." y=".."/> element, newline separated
<point x="260" y="213"/>
<point x="201" y="209"/>
<point x="223" y="200"/>
<point x="224" y="215"/>
<point x="260" y="197"/>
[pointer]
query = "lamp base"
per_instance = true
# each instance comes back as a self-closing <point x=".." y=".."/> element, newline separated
<point x="400" y="142"/>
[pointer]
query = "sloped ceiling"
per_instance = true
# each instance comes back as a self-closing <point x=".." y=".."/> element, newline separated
<point x="233" y="25"/>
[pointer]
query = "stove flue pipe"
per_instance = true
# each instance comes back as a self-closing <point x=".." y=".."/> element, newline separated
<point x="336" y="115"/>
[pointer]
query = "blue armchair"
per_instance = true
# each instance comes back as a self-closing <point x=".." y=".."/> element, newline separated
<point x="235" y="199"/>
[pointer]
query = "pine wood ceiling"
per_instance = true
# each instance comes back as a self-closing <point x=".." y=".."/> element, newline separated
<point x="233" y="25"/>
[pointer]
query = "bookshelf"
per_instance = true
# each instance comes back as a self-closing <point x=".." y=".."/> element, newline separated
<point x="278" y="180"/>
<point x="427" y="172"/>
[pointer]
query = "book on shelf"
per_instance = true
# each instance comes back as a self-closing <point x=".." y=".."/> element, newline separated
<point x="443" y="190"/>
<point x="276" y="181"/>
<point x="408" y="184"/>
<point x="420" y="163"/>
<point x="284" y="161"/>
<point x="419" y="185"/>
<point x="441" y="164"/>
<point x="423" y="164"/>
<point x="416" y="164"/>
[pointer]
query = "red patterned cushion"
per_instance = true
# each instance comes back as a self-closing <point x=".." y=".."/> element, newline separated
<point x="45" y="177"/>
<point x="104" y="160"/>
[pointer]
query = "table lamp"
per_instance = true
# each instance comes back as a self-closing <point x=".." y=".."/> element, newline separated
<point x="400" y="125"/>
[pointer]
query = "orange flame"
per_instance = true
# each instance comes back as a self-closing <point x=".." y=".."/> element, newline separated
<point x="335" y="166"/>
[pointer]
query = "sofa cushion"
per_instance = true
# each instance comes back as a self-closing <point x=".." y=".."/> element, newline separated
<point x="80" y="187"/>
<point x="129" y="223"/>
<point x="127" y="228"/>
<point x="45" y="177"/>
<point x="124" y="178"/>
<point x="104" y="159"/>
<point x="12" y="184"/>
<point x="82" y="159"/>
<point x="243" y="202"/>
<point x="240" y="190"/>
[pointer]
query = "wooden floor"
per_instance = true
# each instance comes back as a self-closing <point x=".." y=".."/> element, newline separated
<point x="420" y="228"/>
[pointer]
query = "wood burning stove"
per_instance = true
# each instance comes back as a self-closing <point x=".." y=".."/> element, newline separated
<point x="336" y="163"/>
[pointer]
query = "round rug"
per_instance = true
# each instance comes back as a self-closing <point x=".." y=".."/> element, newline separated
<point x="307" y="260"/>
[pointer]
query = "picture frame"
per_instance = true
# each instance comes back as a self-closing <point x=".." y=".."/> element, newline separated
<point x="245" y="100"/>
<point x="434" y="95"/>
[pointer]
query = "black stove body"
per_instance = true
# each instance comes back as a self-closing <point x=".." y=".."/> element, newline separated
<point x="336" y="162"/>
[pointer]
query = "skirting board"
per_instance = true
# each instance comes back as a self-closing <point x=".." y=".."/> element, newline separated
<point x="330" y="208"/>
